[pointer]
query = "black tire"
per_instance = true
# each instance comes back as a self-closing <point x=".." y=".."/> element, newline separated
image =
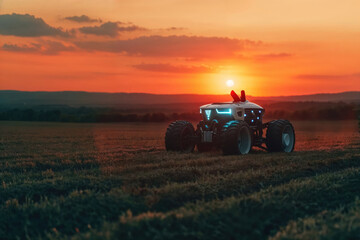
<point x="204" y="147"/>
<point x="280" y="136"/>
<point x="179" y="137"/>
<point x="236" y="138"/>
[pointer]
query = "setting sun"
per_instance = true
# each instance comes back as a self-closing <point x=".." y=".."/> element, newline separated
<point x="229" y="83"/>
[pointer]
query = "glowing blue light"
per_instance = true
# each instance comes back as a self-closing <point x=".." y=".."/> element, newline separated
<point x="252" y="111"/>
<point x="252" y="120"/>
<point x="223" y="111"/>
<point x="244" y="114"/>
<point x="208" y="114"/>
<point x="259" y="111"/>
<point x="258" y="118"/>
<point x="200" y="110"/>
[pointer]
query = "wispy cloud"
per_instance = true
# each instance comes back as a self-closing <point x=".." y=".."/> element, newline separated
<point x="111" y="29"/>
<point x="82" y="19"/>
<point x="273" y="56"/>
<point x="172" y="46"/>
<point x="25" y="48"/>
<point x="42" y="47"/>
<point x="175" y="29"/>
<point x="328" y="76"/>
<point x="169" y="68"/>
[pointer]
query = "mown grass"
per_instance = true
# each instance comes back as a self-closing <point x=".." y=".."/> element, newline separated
<point x="86" y="181"/>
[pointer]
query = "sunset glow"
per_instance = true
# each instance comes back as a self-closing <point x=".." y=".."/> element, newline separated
<point x="266" y="48"/>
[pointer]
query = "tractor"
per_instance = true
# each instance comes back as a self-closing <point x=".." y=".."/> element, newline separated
<point x="234" y="127"/>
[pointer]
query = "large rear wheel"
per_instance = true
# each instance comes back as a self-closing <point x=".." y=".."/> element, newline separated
<point x="236" y="138"/>
<point x="280" y="136"/>
<point x="180" y="137"/>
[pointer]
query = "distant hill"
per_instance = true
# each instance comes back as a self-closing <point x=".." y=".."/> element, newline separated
<point x="21" y="99"/>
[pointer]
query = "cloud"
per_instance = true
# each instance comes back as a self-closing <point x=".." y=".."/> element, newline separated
<point x="273" y="56"/>
<point x="169" y="68"/>
<point x="25" y="25"/>
<point x="42" y="47"/>
<point x="327" y="77"/>
<point x="82" y="19"/>
<point x="175" y="29"/>
<point x="111" y="29"/>
<point x="54" y="47"/>
<point x="29" y="48"/>
<point x="172" y="46"/>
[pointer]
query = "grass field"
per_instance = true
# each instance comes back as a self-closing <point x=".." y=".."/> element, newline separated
<point x="115" y="181"/>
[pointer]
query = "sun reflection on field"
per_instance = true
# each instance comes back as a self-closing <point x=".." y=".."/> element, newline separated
<point x="138" y="137"/>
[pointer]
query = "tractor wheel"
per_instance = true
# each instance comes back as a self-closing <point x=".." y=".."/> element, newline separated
<point x="204" y="147"/>
<point x="236" y="138"/>
<point x="180" y="137"/>
<point x="280" y="136"/>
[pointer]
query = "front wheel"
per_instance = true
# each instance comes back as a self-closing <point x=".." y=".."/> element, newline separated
<point x="180" y="137"/>
<point x="236" y="138"/>
<point x="280" y="136"/>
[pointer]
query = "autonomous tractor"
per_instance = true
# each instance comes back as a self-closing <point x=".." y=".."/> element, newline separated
<point x="234" y="127"/>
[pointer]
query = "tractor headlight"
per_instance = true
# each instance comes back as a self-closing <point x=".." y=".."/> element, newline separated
<point x="224" y="111"/>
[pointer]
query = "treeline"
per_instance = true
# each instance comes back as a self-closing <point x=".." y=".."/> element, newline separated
<point x="337" y="111"/>
<point x="90" y="115"/>
<point x="340" y="111"/>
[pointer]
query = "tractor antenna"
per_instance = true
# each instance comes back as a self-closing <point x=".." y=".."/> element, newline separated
<point x="243" y="97"/>
<point x="235" y="96"/>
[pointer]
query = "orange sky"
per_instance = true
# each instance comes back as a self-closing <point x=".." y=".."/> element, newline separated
<point x="180" y="46"/>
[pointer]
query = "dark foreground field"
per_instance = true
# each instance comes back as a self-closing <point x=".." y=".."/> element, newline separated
<point x="115" y="181"/>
